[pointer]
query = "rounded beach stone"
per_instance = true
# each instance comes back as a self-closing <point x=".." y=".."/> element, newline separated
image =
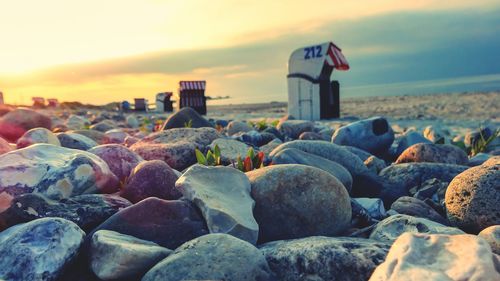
<point x="434" y="257"/>
<point x="324" y="258"/>
<point x="151" y="179"/>
<point x="311" y="136"/>
<point x="39" y="250"/>
<point x="417" y="208"/>
<point x="167" y="223"/>
<point x="37" y="135"/>
<point x="295" y="201"/>
<point x="226" y="204"/>
<point x="103" y="126"/>
<point x="94" y="135"/>
<point x="212" y="257"/>
<point x="76" y="141"/>
<point x="87" y="211"/>
<point x="235" y="127"/>
<point x="492" y="235"/>
<point x="373" y="135"/>
<point x="436" y="153"/>
<point x="392" y="227"/>
<point x="230" y="149"/>
<point x="473" y="197"/>
<point x="75" y="122"/>
<point x="293" y="128"/>
<point x="117" y="256"/>
<point x="114" y="136"/>
<point x="408" y="139"/>
<point x="296" y="156"/>
<point x="15" y="123"/>
<point x="121" y="160"/>
<point x="53" y="171"/>
<point x="184" y="117"/>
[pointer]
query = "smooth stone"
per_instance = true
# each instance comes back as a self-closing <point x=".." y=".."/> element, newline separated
<point x="37" y="135"/>
<point x="417" y="208"/>
<point x="183" y="117"/>
<point x="431" y="257"/>
<point x="94" y="135"/>
<point x="365" y="183"/>
<point x="295" y="201"/>
<point x="151" y="179"/>
<point x="275" y="132"/>
<point x="270" y="146"/>
<point x="129" y="141"/>
<point x="392" y="227"/>
<point x="230" y="150"/>
<point x="212" y="257"/>
<point x="473" y="197"/>
<point x="39" y="250"/>
<point x="375" y="164"/>
<point x="5" y="146"/>
<point x="235" y="127"/>
<point x="408" y="139"/>
<point x="225" y="204"/>
<point x="166" y="223"/>
<point x="132" y="121"/>
<point x="76" y="141"/>
<point x="330" y="151"/>
<point x="16" y="122"/>
<point x="87" y="211"/>
<point x="53" y="171"/>
<point x="175" y="146"/>
<point x="478" y="159"/>
<point x="103" y="126"/>
<point x="117" y="256"/>
<point x="75" y="122"/>
<point x="360" y="217"/>
<point x="324" y="258"/>
<point x="296" y="156"/>
<point x="401" y="178"/>
<point x="373" y="135"/>
<point x="374" y="207"/>
<point x="114" y="136"/>
<point x="433" y="189"/>
<point x="433" y="153"/>
<point x="492" y="235"/>
<point x="293" y="128"/>
<point x="435" y="134"/>
<point x="121" y="160"/>
<point x="311" y="136"/>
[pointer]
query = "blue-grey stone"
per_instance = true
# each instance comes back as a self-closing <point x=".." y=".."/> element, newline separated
<point x="39" y="250"/>
<point x="76" y="141"/>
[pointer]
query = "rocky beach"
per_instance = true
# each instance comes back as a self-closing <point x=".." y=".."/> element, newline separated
<point x="398" y="188"/>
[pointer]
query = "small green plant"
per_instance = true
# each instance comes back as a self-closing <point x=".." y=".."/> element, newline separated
<point x="482" y="143"/>
<point x="211" y="158"/>
<point x="263" y="124"/>
<point x="188" y="124"/>
<point x="251" y="162"/>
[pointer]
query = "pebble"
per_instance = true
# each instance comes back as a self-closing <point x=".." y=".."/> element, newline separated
<point x="417" y="208"/>
<point x="76" y="141"/>
<point x="53" y="171"/>
<point x="121" y="160"/>
<point x="295" y="201"/>
<point x="213" y="257"/>
<point x="433" y="257"/>
<point x="186" y="117"/>
<point x="434" y="153"/>
<point x="392" y="227"/>
<point x="16" y="122"/>
<point x="373" y="135"/>
<point x="324" y="258"/>
<point x="168" y="223"/>
<point x="473" y="197"/>
<point x="117" y="256"/>
<point x="39" y="250"/>
<point x="235" y="127"/>
<point x="492" y="235"/>
<point x="37" y="135"/>
<point x="293" y="128"/>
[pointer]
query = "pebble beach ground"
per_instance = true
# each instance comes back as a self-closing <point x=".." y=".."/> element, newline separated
<point x="399" y="188"/>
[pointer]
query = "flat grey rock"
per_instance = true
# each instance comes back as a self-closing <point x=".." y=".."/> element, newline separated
<point x="223" y="196"/>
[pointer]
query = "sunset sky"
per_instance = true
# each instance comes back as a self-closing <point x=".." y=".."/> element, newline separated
<point x="102" y="51"/>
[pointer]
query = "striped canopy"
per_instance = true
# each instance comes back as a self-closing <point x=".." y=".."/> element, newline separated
<point x="192" y="85"/>
<point x="335" y="58"/>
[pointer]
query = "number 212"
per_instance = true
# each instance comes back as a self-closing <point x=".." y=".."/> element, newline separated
<point x="312" y="52"/>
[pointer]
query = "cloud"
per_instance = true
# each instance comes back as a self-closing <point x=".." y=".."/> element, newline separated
<point x="390" y="48"/>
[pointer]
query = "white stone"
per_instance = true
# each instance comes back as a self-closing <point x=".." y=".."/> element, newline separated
<point x="434" y="257"/>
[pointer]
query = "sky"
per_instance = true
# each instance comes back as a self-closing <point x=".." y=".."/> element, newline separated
<point x="103" y="51"/>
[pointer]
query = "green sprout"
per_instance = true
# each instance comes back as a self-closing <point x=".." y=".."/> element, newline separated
<point x="211" y="158"/>
<point x="482" y="144"/>
<point x="251" y="162"/>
